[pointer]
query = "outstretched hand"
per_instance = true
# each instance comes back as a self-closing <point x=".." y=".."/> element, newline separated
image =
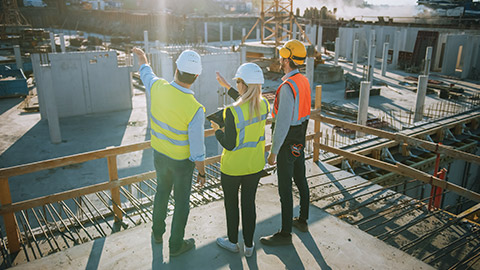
<point x="222" y="81"/>
<point x="142" y="58"/>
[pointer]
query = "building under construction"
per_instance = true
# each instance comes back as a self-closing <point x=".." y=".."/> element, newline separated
<point x="393" y="162"/>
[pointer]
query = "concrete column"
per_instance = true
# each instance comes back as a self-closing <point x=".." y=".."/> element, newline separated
<point x="52" y="42"/>
<point x="243" y="54"/>
<point x="420" y="102"/>
<point x="371" y="63"/>
<point x="257" y="33"/>
<point x="337" y="50"/>
<point x="363" y="105"/>
<point x="372" y="38"/>
<point x="310" y="71"/>
<point x="51" y="105"/>
<point x="145" y="41"/>
<point x="62" y="42"/>
<point x="18" y="56"/>
<point x="205" y="31"/>
<point x="221" y="34"/>
<point x="157" y="44"/>
<point x="428" y="61"/>
<point x="384" y="59"/>
<point x="294" y="31"/>
<point x="348" y="41"/>
<point x="284" y="32"/>
<point x="355" y="54"/>
<point x="231" y="34"/>
<point x="396" y="49"/>
<point x="244" y="32"/>
<point x="320" y="38"/>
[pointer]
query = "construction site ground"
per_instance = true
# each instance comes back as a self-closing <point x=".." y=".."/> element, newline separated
<point x="333" y="243"/>
<point x="329" y="244"/>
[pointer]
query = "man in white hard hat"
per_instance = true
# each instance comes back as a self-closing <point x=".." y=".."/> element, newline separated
<point x="177" y="137"/>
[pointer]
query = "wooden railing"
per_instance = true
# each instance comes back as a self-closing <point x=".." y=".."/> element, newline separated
<point x="8" y="208"/>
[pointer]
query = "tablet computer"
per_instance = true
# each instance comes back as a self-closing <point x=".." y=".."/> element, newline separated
<point x="217" y="117"/>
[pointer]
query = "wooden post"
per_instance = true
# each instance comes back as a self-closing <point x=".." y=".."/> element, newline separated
<point x="113" y="176"/>
<point x="318" y="106"/>
<point x="9" y="218"/>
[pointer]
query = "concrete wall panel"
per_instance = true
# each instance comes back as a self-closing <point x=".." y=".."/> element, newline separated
<point x="85" y="82"/>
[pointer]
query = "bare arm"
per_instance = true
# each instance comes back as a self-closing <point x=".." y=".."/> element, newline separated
<point x="201" y="170"/>
<point x="142" y="58"/>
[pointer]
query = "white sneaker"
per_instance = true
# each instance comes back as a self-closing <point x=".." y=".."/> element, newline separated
<point x="248" y="251"/>
<point x="226" y="244"/>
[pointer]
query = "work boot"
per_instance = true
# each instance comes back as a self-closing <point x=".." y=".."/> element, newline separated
<point x="278" y="239"/>
<point x="226" y="244"/>
<point x="186" y="246"/>
<point x="300" y="224"/>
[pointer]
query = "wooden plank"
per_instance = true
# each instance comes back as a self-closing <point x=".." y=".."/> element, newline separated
<point x="113" y="176"/>
<point x="406" y="171"/>
<point x="9" y="218"/>
<point x="446" y="150"/>
<point x="14" y="207"/>
<point x="316" y="129"/>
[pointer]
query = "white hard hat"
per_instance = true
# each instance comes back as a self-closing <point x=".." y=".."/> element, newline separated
<point x="250" y="73"/>
<point x="189" y="62"/>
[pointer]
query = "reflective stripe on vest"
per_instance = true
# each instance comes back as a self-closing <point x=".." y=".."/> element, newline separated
<point x="248" y="155"/>
<point x="302" y="98"/>
<point x="171" y="112"/>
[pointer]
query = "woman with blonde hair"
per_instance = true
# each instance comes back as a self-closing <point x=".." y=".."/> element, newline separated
<point x="243" y="159"/>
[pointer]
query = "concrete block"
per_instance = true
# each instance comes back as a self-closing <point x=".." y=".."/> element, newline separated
<point x="328" y="74"/>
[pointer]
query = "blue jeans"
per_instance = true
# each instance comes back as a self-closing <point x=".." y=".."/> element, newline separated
<point x="176" y="174"/>
<point x="288" y="166"/>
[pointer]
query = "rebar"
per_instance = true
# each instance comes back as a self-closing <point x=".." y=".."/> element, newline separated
<point x="135" y="203"/>
<point x="93" y="222"/>
<point x="65" y="225"/>
<point x="31" y="233"/>
<point x="48" y="228"/>
<point x="450" y="247"/>
<point x="98" y="212"/>
<point x="113" y="203"/>
<point x="67" y="210"/>
<point x="472" y="255"/>
<point x="58" y="227"/>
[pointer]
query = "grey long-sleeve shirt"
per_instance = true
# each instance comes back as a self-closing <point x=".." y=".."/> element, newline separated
<point x="284" y="115"/>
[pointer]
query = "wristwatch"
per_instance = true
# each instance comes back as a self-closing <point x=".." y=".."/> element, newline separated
<point x="201" y="175"/>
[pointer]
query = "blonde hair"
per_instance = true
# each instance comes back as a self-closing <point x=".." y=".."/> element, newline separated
<point x="254" y="95"/>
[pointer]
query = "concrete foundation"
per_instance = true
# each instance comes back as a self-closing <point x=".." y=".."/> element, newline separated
<point x="328" y="74"/>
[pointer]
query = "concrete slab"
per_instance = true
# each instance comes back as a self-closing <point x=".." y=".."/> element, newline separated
<point x="330" y="244"/>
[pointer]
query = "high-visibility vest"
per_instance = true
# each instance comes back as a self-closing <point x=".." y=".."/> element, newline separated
<point x="171" y="112"/>
<point x="248" y="156"/>
<point x="302" y="97"/>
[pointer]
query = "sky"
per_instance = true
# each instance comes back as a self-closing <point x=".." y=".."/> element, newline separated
<point x="349" y="9"/>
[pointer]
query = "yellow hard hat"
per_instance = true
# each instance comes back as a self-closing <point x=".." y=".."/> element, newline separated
<point x="294" y="50"/>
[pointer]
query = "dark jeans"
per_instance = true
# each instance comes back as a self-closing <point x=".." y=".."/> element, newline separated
<point x="289" y="166"/>
<point x="176" y="174"/>
<point x="230" y="185"/>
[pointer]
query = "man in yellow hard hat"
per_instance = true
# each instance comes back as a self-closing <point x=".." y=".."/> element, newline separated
<point x="177" y="130"/>
<point x="291" y="111"/>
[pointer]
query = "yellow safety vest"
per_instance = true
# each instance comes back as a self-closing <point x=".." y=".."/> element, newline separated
<point x="171" y="112"/>
<point x="248" y="156"/>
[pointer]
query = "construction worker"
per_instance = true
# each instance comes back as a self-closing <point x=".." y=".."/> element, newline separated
<point x="291" y="111"/>
<point x="243" y="156"/>
<point x="177" y="137"/>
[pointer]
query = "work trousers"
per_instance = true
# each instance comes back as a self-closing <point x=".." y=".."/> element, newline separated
<point x="230" y="186"/>
<point x="176" y="174"/>
<point x="288" y="166"/>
